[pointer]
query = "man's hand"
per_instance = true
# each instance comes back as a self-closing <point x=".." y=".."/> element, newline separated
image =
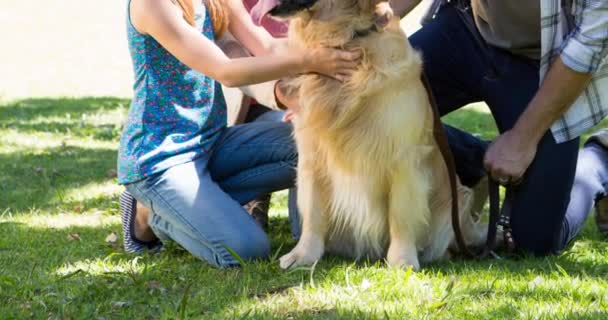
<point x="508" y="157"/>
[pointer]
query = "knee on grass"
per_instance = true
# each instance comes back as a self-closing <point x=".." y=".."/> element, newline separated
<point x="541" y="245"/>
<point x="246" y="248"/>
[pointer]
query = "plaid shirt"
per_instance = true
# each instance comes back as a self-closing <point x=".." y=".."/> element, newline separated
<point x="577" y="31"/>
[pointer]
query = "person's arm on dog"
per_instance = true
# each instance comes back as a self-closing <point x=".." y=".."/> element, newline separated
<point x="403" y="7"/>
<point x="263" y="93"/>
<point x="164" y="21"/>
<point x="585" y="49"/>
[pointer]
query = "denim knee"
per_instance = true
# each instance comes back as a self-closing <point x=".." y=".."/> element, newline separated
<point x="538" y="243"/>
<point x="251" y="247"/>
<point x="216" y="249"/>
<point x="219" y="252"/>
<point x="290" y="147"/>
<point x="591" y="168"/>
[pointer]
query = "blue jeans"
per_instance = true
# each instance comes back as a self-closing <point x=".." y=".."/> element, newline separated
<point x="590" y="185"/>
<point x="462" y="71"/>
<point x="199" y="204"/>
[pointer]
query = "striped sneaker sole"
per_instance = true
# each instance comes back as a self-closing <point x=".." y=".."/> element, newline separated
<point x="128" y="209"/>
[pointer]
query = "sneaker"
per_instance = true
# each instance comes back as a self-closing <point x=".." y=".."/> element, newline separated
<point x="601" y="206"/>
<point x="128" y="210"/>
<point x="601" y="216"/>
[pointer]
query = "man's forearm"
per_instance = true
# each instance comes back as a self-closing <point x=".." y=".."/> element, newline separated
<point x="560" y="88"/>
<point x="403" y="7"/>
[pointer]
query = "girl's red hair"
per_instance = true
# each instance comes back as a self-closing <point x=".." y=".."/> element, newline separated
<point x="215" y="8"/>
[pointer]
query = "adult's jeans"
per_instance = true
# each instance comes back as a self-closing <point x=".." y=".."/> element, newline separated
<point x="462" y="70"/>
<point x="590" y="185"/>
<point x="199" y="204"/>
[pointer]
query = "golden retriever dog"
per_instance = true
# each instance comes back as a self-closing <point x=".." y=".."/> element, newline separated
<point x="371" y="180"/>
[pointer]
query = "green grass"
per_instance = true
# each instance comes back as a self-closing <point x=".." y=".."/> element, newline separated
<point x="59" y="202"/>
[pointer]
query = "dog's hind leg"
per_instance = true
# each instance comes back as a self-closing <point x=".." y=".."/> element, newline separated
<point x="408" y="215"/>
<point x="311" y="245"/>
<point x="441" y="232"/>
<point x="474" y="227"/>
<point x="474" y="230"/>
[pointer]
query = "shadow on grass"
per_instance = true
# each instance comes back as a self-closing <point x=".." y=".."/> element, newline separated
<point x="41" y="180"/>
<point x="69" y="116"/>
<point x="507" y="310"/>
<point x="103" y="132"/>
<point x="575" y="262"/>
<point x="74" y="108"/>
<point x="38" y="180"/>
<point x="45" y="273"/>
<point x="154" y="286"/>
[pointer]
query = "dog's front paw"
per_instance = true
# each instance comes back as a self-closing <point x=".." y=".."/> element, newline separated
<point x="403" y="258"/>
<point x="404" y="262"/>
<point x="306" y="253"/>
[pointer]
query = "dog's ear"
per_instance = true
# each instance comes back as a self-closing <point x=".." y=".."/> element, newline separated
<point x="382" y="15"/>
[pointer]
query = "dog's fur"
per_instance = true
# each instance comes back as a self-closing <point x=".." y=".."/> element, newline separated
<point x="371" y="180"/>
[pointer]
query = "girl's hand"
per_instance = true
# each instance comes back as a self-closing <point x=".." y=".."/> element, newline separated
<point x="338" y="64"/>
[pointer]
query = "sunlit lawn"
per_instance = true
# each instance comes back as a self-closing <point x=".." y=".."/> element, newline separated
<point x="58" y="204"/>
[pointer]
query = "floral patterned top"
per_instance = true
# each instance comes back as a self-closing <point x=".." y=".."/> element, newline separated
<point x="176" y="113"/>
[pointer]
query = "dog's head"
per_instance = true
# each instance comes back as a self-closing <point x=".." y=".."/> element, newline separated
<point x="340" y="20"/>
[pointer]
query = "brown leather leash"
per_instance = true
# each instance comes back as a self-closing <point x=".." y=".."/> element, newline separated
<point x="495" y="214"/>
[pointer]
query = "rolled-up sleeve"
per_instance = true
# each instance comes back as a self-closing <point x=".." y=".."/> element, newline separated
<point x="586" y="47"/>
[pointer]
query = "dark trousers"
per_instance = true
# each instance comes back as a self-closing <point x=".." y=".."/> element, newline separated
<point x="462" y="70"/>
